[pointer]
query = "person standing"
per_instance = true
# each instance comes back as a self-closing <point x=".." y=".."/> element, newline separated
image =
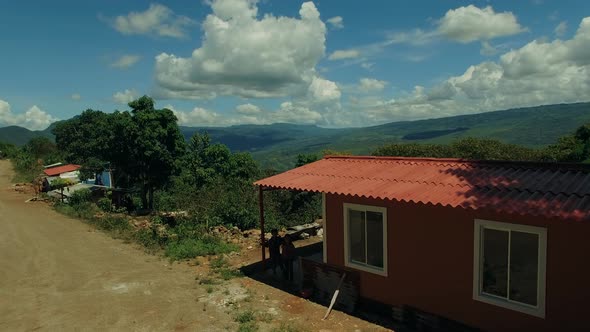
<point x="274" y="248"/>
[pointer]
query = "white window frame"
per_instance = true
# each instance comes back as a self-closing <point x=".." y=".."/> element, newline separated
<point x="479" y="295"/>
<point x="359" y="266"/>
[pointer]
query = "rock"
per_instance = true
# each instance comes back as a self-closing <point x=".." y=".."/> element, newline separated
<point x="250" y="248"/>
<point x="304" y="235"/>
<point x="320" y="232"/>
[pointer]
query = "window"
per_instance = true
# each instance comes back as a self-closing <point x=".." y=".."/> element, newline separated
<point x="509" y="266"/>
<point x="365" y="234"/>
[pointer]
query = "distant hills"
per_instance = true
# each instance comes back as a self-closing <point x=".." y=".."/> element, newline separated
<point x="20" y="136"/>
<point x="277" y="145"/>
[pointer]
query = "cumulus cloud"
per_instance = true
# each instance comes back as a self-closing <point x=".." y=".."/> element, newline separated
<point x="541" y="72"/>
<point x="248" y="109"/>
<point x="336" y="22"/>
<point x="125" y="97"/>
<point x="344" y="54"/>
<point x="34" y="118"/>
<point x="125" y="61"/>
<point x="76" y="96"/>
<point x="296" y="113"/>
<point x="470" y="23"/>
<point x="561" y="29"/>
<point x="371" y="85"/>
<point x="198" y="117"/>
<point x="157" y="20"/>
<point x="243" y="55"/>
<point x="322" y="90"/>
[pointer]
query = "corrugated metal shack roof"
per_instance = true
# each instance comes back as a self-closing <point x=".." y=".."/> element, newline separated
<point x="61" y="169"/>
<point x="538" y="189"/>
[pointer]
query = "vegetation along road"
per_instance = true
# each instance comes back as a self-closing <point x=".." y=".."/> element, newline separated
<point x="57" y="272"/>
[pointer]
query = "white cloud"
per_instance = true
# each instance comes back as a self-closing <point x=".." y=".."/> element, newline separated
<point x="467" y="24"/>
<point x="243" y="55"/>
<point x="561" y="29"/>
<point x="76" y="96"/>
<point x="488" y="49"/>
<point x="541" y="72"/>
<point x="34" y="118"/>
<point x="295" y="113"/>
<point x="321" y="90"/>
<point x="415" y="37"/>
<point x="371" y="85"/>
<point x="344" y="54"/>
<point x="157" y="20"/>
<point x="125" y="61"/>
<point x="336" y="22"/>
<point x="125" y="97"/>
<point x="248" y="109"/>
<point x="198" y="117"/>
<point x="368" y="65"/>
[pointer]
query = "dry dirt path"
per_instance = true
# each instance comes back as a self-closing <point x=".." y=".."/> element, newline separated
<point x="58" y="274"/>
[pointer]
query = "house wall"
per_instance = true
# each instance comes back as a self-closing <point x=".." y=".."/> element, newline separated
<point x="430" y="265"/>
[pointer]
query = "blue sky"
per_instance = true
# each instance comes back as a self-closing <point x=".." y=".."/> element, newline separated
<point x="330" y="63"/>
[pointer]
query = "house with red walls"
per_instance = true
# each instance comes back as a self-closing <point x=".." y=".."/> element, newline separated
<point x="493" y="245"/>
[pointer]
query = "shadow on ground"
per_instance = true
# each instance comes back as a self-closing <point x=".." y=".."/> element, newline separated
<point x="370" y="311"/>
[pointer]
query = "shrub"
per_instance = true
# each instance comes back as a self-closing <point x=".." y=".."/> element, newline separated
<point x="245" y="317"/>
<point x="81" y="196"/>
<point x="150" y="239"/>
<point x="105" y="204"/>
<point x="189" y="248"/>
<point x="248" y="327"/>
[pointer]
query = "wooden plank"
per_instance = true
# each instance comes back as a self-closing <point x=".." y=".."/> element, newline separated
<point x="324" y="279"/>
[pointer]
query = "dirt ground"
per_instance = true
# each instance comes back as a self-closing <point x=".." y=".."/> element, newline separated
<point x="57" y="273"/>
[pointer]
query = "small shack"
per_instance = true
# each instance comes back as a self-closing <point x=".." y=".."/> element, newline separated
<point x="493" y="245"/>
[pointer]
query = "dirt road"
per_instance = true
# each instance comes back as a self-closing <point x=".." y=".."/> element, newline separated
<point x="59" y="274"/>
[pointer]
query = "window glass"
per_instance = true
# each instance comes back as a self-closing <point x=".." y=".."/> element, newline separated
<point x="495" y="262"/>
<point x="375" y="239"/>
<point x="524" y="265"/>
<point x="356" y="221"/>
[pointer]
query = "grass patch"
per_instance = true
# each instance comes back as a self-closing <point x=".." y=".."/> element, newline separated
<point x="248" y="327"/>
<point x="227" y="274"/>
<point x="190" y="248"/>
<point x="149" y="239"/>
<point x="245" y="317"/>
<point x="85" y="210"/>
<point x="219" y="262"/>
<point x="207" y="281"/>
<point x="265" y="317"/>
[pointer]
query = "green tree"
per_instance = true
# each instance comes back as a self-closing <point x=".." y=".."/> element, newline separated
<point x="155" y="146"/>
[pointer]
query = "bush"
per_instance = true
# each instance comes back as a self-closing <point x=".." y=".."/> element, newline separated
<point x="245" y="317"/>
<point x="190" y="248"/>
<point x="85" y="210"/>
<point x="105" y="204"/>
<point x="150" y="239"/>
<point x="113" y="223"/>
<point x="79" y="197"/>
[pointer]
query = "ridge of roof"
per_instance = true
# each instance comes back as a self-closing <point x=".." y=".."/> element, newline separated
<point x="562" y="166"/>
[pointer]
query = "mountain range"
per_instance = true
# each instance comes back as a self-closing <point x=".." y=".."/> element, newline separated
<point x="277" y="145"/>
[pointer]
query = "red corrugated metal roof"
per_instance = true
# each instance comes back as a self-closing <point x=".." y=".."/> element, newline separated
<point x="539" y="189"/>
<point x="61" y="169"/>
